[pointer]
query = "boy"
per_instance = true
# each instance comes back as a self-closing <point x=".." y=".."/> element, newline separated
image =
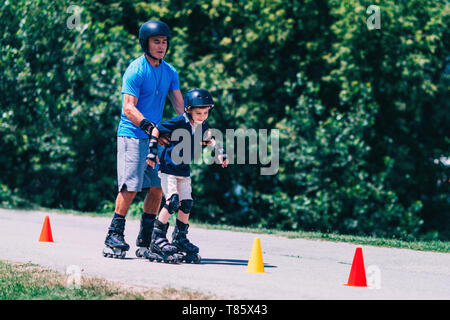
<point x="175" y="178"/>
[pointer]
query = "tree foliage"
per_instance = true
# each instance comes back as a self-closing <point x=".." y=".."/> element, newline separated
<point x="363" y="114"/>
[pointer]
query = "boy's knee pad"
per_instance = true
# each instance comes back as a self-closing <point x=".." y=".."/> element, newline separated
<point x="186" y="205"/>
<point x="174" y="202"/>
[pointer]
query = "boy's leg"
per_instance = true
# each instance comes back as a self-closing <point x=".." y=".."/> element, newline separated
<point x="160" y="247"/>
<point x="180" y="231"/>
<point x="169" y="187"/>
<point x="185" y="191"/>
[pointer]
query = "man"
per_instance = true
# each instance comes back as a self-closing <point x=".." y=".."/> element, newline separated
<point x="146" y="83"/>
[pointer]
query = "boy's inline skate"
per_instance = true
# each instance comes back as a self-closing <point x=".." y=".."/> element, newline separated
<point x="116" y="247"/>
<point x="160" y="248"/>
<point x="188" y="250"/>
<point x="145" y="236"/>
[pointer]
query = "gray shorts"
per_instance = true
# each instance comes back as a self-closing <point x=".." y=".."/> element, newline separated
<point x="132" y="170"/>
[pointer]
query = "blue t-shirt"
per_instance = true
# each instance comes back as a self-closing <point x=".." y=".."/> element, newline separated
<point x="167" y="164"/>
<point x="150" y="85"/>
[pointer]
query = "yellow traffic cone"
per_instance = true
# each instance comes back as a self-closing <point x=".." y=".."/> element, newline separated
<point x="255" y="263"/>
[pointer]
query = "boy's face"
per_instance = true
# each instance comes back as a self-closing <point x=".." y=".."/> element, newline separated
<point x="199" y="114"/>
<point x="157" y="46"/>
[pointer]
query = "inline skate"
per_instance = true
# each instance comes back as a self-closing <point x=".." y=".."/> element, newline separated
<point x="116" y="247"/>
<point x="184" y="247"/>
<point x="160" y="248"/>
<point x="145" y="236"/>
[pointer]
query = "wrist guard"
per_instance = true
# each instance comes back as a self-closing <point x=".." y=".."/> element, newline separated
<point x="147" y="126"/>
<point x="152" y="151"/>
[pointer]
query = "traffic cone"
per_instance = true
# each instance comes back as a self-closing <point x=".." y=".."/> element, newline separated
<point x="255" y="263"/>
<point x="357" y="276"/>
<point x="46" y="232"/>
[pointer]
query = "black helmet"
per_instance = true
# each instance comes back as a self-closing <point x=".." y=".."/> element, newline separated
<point x="198" y="97"/>
<point x="153" y="28"/>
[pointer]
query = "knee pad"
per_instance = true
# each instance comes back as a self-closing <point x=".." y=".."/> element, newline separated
<point x="174" y="202"/>
<point x="186" y="205"/>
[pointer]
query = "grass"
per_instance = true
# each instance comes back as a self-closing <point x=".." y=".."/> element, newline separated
<point x="19" y="281"/>
<point x="432" y="245"/>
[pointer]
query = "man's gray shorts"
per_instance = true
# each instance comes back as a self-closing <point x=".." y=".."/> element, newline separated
<point x="132" y="170"/>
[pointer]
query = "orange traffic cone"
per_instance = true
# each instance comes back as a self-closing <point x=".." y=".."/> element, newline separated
<point x="46" y="232"/>
<point x="357" y="276"/>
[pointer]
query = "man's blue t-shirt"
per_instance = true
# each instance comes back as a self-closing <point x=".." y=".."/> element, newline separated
<point x="150" y="85"/>
<point x="167" y="163"/>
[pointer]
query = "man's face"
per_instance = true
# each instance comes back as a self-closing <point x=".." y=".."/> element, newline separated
<point x="157" y="46"/>
<point x="199" y="114"/>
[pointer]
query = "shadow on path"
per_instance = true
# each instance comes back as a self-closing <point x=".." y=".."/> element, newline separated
<point x="231" y="262"/>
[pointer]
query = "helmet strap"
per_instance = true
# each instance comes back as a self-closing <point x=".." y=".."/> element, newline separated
<point x="152" y="57"/>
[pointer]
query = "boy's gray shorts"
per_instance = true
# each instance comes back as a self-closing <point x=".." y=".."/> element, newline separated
<point x="132" y="170"/>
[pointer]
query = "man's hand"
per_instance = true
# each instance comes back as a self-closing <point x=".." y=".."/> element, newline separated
<point x="152" y="156"/>
<point x="147" y="126"/>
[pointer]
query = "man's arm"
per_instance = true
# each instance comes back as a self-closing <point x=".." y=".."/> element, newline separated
<point x="177" y="101"/>
<point x="130" y="110"/>
<point x="135" y="116"/>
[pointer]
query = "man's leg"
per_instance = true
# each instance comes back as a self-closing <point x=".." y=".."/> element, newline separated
<point x="123" y="201"/>
<point x="116" y="246"/>
<point x="152" y="200"/>
<point x="151" y="206"/>
<point x="130" y="176"/>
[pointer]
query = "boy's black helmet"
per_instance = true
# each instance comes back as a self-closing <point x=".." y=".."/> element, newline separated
<point x="153" y="28"/>
<point x="198" y="97"/>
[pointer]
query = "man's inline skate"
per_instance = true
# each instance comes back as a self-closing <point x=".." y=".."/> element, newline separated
<point x="160" y="248"/>
<point x="188" y="250"/>
<point x="145" y="236"/>
<point x="116" y="247"/>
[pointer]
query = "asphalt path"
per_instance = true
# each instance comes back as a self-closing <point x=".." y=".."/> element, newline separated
<point x="295" y="269"/>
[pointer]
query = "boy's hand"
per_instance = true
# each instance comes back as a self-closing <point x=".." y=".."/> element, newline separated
<point x="164" y="140"/>
<point x="208" y="139"/>
<point x="151" y="163"/>
<point x="207" y="142"/>
<point x="223" y="162"/>
<point x="152" y="156"/>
